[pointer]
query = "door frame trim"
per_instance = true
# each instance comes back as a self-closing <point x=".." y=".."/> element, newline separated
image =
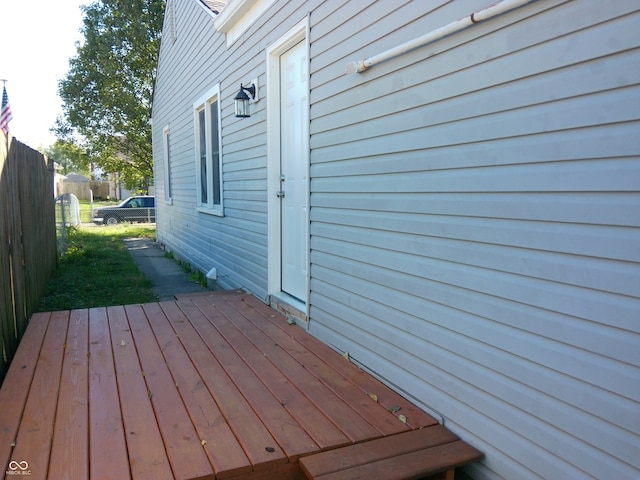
<point x="300" y="32"/>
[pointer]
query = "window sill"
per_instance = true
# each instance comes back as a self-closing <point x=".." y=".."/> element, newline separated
<point x="217" y="211"/>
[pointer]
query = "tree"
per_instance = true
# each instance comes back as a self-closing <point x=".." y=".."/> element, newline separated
<point x="108" y="89"/>
<point x="69" y="156"/>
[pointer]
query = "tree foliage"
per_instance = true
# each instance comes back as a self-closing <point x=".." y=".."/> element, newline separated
<point x="71" y="157"/>
<point x="108" y="89"/>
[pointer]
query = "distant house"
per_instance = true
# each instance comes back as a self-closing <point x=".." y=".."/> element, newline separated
<point x="462" y="217"/>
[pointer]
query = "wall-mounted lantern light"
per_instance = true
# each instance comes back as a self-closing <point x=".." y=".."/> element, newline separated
<point x="242" y="100"/>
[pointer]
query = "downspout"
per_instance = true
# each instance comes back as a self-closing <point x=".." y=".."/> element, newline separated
<point x="489" y="12"/>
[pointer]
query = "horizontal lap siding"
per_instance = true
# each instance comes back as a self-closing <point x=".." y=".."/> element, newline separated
<point x="475" y="227"/>
<point x="236" y="244"/>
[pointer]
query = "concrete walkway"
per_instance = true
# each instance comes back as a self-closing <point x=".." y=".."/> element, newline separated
<point x="168" y="278"/>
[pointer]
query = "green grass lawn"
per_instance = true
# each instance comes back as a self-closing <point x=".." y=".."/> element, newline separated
<point x="96" y="270"/>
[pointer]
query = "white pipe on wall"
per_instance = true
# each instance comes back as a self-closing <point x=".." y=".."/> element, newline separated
<point x="476" y="17"/>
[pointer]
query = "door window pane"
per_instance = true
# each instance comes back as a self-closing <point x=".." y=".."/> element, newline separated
<point x="203" y="157"/>
<point x="215" y="152"/>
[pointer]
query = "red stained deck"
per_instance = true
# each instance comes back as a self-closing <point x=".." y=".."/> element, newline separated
<point x="209" y="386"/>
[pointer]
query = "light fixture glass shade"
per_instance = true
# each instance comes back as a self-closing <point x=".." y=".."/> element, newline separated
<point x="242" y="104"/>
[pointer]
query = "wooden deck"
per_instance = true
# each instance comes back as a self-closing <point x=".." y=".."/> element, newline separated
<point x="208" y="386"/>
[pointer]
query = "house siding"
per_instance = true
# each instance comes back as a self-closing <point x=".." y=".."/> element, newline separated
<point x="236" y="243"/>
<point x="474" y="225"/>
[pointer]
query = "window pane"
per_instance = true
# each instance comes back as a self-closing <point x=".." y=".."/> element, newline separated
<point x="215" y="152"/>
<point x="203" y="156"/>
<point x="167" y="165"/>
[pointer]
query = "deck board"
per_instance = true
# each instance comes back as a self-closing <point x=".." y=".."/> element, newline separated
<point x="220" y="444"/>
<point x="107" y="444"/>
<point x="71" y="435"/>
<point x="320" y="427"/>
<point x="379" y="449"/>
<point x="286" y="432"/>
<point x="358" y="403"/>
<point x="416" y="418"/>
<point x="36" y="429"/>
<point x="16" y="385"/>
<point x="352" y="424"/>
<point x="260" y="447"/>
<point x="183" y="446"/>
<point x="212" y="386"/>
<point x="285" y="429"/>
<point x="147" y="455"/>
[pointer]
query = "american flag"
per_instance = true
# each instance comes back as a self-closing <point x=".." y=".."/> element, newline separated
<point x="5" y="114"/>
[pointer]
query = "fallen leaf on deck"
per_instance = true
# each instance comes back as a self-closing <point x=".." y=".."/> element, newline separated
<point x="123" y="343"/>
<point x="374" y="397"/>
<point x="203" y="442"/>
<point x="393" y="409"/>
<point x="402" y="418"/>
<point x="346" y="355"/>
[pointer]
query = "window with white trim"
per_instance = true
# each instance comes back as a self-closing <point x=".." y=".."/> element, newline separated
<point x="208" y="152"/>
<point x="167" y="163"/>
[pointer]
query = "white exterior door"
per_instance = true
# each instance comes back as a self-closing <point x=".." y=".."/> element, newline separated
<point x="294" y="170"/>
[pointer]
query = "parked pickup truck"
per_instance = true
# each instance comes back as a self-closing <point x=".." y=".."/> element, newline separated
<point x="134" y="209"/>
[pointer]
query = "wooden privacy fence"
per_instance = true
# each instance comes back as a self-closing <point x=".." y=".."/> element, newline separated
<point x="28" y="252"/>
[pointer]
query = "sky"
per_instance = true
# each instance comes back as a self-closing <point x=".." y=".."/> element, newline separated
<point x="38" y="37"/>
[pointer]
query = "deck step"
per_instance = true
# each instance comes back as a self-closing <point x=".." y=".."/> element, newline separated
<point x="409" y="455"/>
